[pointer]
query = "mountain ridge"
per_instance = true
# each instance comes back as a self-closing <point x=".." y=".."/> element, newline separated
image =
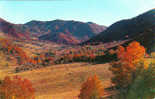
<point x="77" y="31"/>
<point x="134" y="29"/>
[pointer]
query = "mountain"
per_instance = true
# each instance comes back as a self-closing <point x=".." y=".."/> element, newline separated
<point x="60" y="38"/>
<point x="140" y="28"/>
<point x="60" y="31"/>
<point x="12" y="30"/>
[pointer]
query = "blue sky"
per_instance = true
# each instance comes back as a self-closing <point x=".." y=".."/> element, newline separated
<point x="104" y="12"/>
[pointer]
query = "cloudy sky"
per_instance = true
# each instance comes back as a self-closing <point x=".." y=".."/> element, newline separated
<point x="104" y="12"/>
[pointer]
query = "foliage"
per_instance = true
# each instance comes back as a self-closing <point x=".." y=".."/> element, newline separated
<point x="16" y="88"/>
<point x="92" y="88"/>
<point x="143" y="86"/>
<point x="124" y="69"/>
<point x="87" y="53"/>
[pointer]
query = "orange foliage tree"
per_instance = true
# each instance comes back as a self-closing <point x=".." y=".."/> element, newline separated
<point x="124" y="69"/>
<point x="92" y="88"/>
<point x="131" y="55"/>
<point x="16" y="88"/>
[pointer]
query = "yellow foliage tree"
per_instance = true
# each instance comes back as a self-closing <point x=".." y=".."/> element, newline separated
<point x="92" y="88"/>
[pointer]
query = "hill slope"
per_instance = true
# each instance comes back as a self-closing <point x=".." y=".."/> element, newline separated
<point x="140" y="28"/>
<point x="60" y="31"/>
<point x="63" y="81"/>
<point x="12" y="30"/>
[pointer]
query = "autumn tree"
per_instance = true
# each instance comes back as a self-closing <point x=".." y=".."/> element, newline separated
<point x="124" y="69"/>
<point x="92" y="88"/>
<point x="16" y="88"/>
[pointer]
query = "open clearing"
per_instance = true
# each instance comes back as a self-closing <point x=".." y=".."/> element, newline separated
<point x="64" y="81"/>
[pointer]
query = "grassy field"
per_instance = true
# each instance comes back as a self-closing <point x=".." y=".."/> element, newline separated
<point x="63" y="81"/>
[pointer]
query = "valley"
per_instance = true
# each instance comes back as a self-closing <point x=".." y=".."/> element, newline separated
<point x="64" y="59"/>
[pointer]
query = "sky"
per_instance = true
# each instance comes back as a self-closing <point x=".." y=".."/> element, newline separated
<point x="103" y="12"/>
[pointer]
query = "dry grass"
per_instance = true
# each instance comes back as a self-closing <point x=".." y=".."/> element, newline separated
<point x="64" y="81"/>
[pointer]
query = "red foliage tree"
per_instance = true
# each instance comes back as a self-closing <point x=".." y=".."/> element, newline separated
<point x="16" y="88"/>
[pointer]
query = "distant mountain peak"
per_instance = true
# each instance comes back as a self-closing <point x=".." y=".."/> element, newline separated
<point x="5" y="21"/>
<point x="91" y="23"/>
<point x="59" y="31"/>
<point x="10" y="29"/>
<point x="1" y="20"/>
<point x="75" y="30"/>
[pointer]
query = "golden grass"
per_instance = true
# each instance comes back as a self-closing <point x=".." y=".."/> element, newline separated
<point x="64" y="81"/>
